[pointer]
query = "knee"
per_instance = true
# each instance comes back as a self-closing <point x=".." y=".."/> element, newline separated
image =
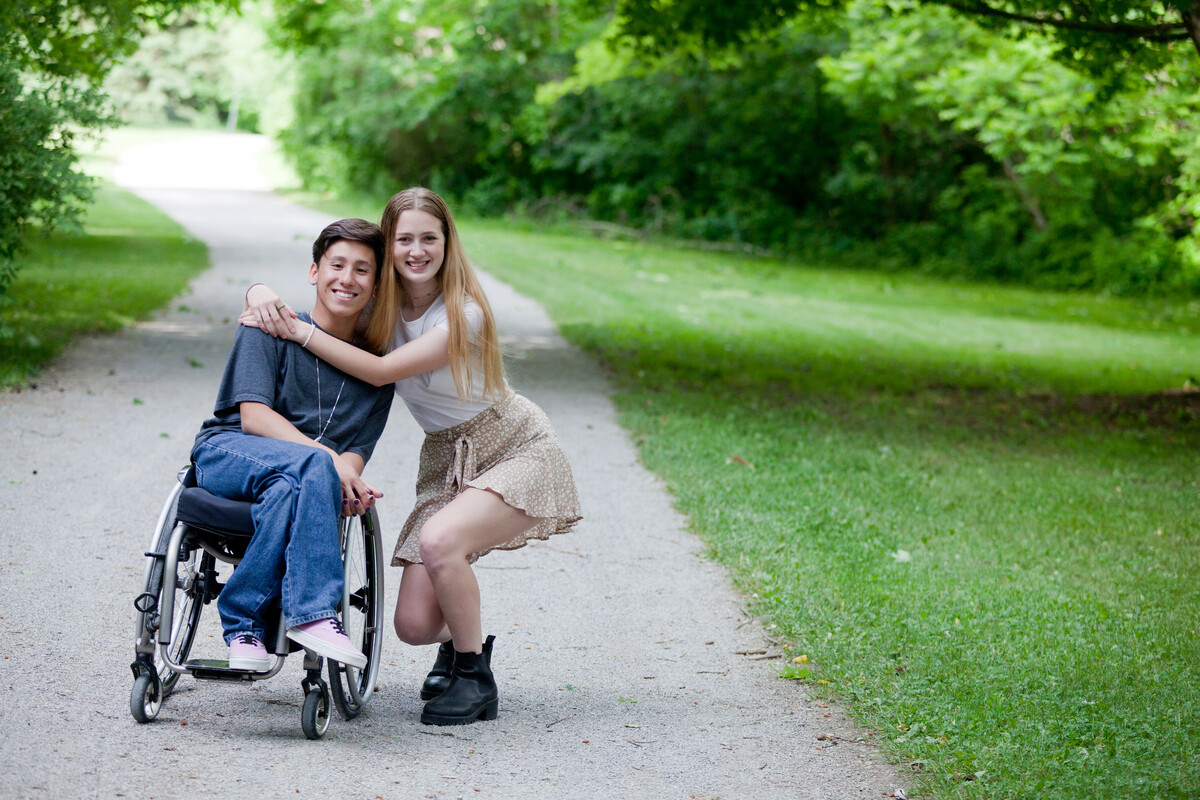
<point x="439" y="547"/>
<point x="410" y="631"/>
<point x="405" y="630"/>
<point x="416" y="629"/>
<point x="317" y="471"/>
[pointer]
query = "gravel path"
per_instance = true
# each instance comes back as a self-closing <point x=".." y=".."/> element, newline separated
<point x="617" y="648"/>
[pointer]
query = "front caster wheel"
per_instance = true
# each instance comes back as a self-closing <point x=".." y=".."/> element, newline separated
<point x="146" y="698"/>
<point x="314" y="718"/>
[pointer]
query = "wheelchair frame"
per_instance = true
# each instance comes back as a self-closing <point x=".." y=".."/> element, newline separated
<point x="168" y="615"/>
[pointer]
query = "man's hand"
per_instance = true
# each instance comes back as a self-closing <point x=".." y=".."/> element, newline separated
<point x="358" y="496"/>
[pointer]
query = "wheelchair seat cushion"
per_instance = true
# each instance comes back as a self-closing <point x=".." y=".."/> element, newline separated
<point x="203" y="509"/>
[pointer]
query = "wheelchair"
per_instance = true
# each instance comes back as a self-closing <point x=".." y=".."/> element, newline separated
<point x="198" y="532"/>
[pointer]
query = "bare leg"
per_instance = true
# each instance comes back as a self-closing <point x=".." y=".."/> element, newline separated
<point x="418" y="617"/>
<point x="474" y="520"/>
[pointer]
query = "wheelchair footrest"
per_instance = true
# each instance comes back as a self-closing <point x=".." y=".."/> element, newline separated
<point x="211" y="669"/>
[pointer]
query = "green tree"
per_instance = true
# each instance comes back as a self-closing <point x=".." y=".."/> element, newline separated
<point x="734" y="149"/>
<point x="38" y="119"/>
<point x="430" y="93"/>
<point x="904" y="131"/>
<point x="1083" y="27"/>
<point x="53" y="56"/>
<point x="207" y="66"/>
<point x="1103" y="34"/>
<point x="176" y="75"/>
<point x="658" y="25"/>
<point x="1042" y="174"/>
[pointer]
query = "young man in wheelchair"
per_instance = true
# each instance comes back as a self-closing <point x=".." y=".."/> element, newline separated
<point x="292" y="434"/>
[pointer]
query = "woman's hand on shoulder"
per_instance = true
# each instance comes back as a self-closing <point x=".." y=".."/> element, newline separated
<point x="301" y="332"/>
<point x="266" y="310"/>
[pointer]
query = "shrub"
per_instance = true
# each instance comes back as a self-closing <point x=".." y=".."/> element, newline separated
<point x="37" y="181"/>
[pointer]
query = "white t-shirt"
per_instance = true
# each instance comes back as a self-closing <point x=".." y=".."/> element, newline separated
<point x="431" y="396"/>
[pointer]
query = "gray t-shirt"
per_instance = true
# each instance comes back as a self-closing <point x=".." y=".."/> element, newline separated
<point x="347" y="414"/>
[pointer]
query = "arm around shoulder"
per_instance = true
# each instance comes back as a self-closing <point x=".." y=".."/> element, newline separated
<point x="426" y="353"/>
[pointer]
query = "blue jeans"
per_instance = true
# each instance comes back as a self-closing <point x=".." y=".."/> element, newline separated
<point x="295" y="555"/>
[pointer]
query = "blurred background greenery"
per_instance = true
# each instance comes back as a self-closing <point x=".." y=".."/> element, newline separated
<point x="1038" y="143"/>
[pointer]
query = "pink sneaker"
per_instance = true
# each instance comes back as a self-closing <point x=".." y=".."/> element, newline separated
<point x="247" y="652"/>
<point x="327" y="637"/>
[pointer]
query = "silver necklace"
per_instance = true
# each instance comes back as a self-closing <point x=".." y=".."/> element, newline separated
<point x="317" y="364"/>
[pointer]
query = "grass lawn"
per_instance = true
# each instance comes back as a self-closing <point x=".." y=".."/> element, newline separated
<point x="973" y="509"/>
<point x="128" y="260"/>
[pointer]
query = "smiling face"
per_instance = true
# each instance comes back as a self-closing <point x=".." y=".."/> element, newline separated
<point x="345" y="279"/>
<point x="418" y="250"/>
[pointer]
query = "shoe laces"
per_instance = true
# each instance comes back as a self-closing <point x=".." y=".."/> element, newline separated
<point x="247" y="638"/>
<point x="337" y="626"/>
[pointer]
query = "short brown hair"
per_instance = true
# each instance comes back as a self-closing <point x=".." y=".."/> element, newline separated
<point x="351" y="230"/>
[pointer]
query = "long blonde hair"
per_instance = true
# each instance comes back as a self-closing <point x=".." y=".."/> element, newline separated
<point x="457" y="282"/>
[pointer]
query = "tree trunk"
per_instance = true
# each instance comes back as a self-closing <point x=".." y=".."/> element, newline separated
<point x="1191" y="21"/>
<point x="1028" y="200"/>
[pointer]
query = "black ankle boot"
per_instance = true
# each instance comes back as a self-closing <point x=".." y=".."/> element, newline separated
<point x="471" y="694"/>
<point x="439" y="677"/>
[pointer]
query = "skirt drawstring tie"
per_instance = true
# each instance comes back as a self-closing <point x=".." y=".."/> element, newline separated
<point x="463" y="467"/>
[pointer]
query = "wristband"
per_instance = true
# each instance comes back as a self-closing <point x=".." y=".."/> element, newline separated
<point x="311" y="328"/>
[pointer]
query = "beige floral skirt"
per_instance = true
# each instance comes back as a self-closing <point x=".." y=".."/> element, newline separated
<point x="510" y="449"/>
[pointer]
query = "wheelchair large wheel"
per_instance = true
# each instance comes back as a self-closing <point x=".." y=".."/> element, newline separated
<point x="362" y="612"/>
<point x="189" y="600"/>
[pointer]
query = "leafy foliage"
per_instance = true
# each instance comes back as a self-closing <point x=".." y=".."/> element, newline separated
<point x="686" y="148"/>
<point x="202" y="67"/>
<point x="53" y="56"/>
<point x="1104" y="35"/>
<point x="175" y="73"/>
<point x="1060" y="179"/>
<point x="428" y="93"/>
<point x="904" y="132"/>
<point x="659" y="25"/>
<point x="37" y="124"/>
<point x="75" y="38"/>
